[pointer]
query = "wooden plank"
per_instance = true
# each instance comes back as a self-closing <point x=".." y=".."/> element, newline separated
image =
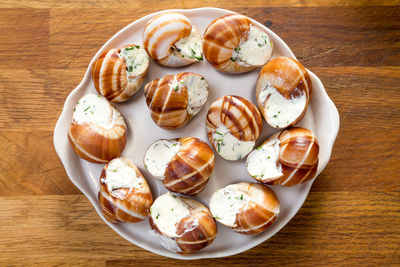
<point x="349" y="228"/>
<point x="164" y="4"/>
<point x="319" y="37"/>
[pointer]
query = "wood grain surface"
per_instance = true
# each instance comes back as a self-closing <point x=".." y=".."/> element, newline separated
<point x="352" y="214"/>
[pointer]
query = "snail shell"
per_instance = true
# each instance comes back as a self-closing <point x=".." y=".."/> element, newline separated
<point x="233" y="44"/>
<point x="174" y="99"/>
<point x="288" y="158"/>
<point x="124" y="194"/>
<point x="182" y="225"/>
<point x="172" y="41"/>
<point x="98" y="131"/>
<point x="284" y="90"/>
<point x="247" y="208"/>
<point x="119" y="73"/>
<point x="233" y="125"/>
<point x="188" y="167"/>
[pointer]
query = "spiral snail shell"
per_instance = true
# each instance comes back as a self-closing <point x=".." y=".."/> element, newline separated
<point x="288" y="158"/>
<point x="247" y="208"/>
<point x="283" y="91"/>
<point x="233" y="44"/>
<point x="233" y="125"/>
<point x="172" y="41"/>
<point x="98" y="131"/>
<point x="174" y="99"/>
<point x="184" y="164"/>
<point x="124" y="195"/>
<point x="182" y="225"/>
<point x="119" y="73"/>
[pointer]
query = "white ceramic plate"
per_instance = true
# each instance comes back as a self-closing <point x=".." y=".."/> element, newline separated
<point x="322" y="118"/>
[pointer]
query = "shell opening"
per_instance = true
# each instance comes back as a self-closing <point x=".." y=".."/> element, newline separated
<point x="166" y="212"/>
<point x="136" y="60"/>
<point x="120" y="175"/>
<point x="96" y="109"/>
<point x="253" y="50"/>
<point x="159" y="155"/>
<point x="228" y="146"/>
<point x="190" y="46"/>
<point x="197" y="88"/>
<point x="226" y="203"/>
<point x="263" y="163"/>
<point x="279" y="111"/>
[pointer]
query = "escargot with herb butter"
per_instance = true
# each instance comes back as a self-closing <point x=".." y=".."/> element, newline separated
<point x="234" y="44"/>
<point x="119" y="73"/>
<point x="184" y="165"/>
<point x="288" y="158"/>
<point x="175" y="99"/>
<point x="283" y="92"/>
<point x="124" y="195"/>
<point x="182" y="225"/>
<point x="247" y="208"/>
<point x="98" y="131"/>
<point x="171" y="40"/>
<point x="233" y="126"/>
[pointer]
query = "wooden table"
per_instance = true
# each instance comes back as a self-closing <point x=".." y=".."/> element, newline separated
<point x="352" y="214"/>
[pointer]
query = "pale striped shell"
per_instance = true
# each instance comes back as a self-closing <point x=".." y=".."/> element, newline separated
<point x="111" y="78"/>
<point x="97" y="144"/>
<point x="160" y="35"/>
<point x="168" y="100"/>
<point x="298" y="156"/>
<point x="238" y="115"/>
<point x="190" y="169"/>
<point x="195" y="232"/>
<point x="125" y="204"/>
<point x="259" y="212"/>
<point x="290" y="78"/>
<point x="220" y="39"/>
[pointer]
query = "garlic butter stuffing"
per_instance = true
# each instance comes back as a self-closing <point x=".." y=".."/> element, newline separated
<point x="95" y="109"/>
<point x="136" y="59"/>
<point x="226" y="203"/>
<point x="159" y="155"/>
<point x="167" y="211"/>
<point x="190" y="46"/>
<point x="228" y="146"/>
<point x="255" y="49"/>
<point x="120" y="175"/>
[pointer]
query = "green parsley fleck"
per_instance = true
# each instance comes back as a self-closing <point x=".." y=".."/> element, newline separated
<point x="275" y="116"/>
<point x="176" y="87"/>
<point x="219" y="147"/>
<point x="172" y="209"/>
<point x="158" y="215"/>
<point x="268" y="157"/>
<point x="87" y="108"/>
<point x="202" y="78"/>
<point x="137" y="47"/>
<point x="218" y="218"/>
<point x="130" y="48"/>
<point x="241" y="197"/>
<point x="218" y="133"/>
<point x="74" y="109"/>
<point x="232" y="59"/>
<point x="173" y="196"/>
<point x="237" y="49"/>
<point x="129" y="68"/>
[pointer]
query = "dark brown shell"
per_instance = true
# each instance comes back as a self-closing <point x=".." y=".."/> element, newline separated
<point x="190" y="169"/>
<point x="202" y="228"/>
<point x="220" y="39"/>
<point x="110" y="77"/>
<point x="254" y="218"/>
<point x="289" y="77"/>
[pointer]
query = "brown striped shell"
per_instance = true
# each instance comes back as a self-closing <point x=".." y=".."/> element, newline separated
<point x="125" y="204"/>
<point x="290" y="78"/>
<point x="111" y="77"/>
<point x="220" y="39"/>
<point x="190" y="169"/>
<point x="160" y="35"/>
<point x="195" y="232"/>
<point x="168" y="100"/>
<point x="97" y="144"/>
<point x="259" y="212"/>
<point x="298" y="156"/>
<point x="238" y="115"/>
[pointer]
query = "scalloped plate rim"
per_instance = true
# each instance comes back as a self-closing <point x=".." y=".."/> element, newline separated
<point x="333" y="112"/>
